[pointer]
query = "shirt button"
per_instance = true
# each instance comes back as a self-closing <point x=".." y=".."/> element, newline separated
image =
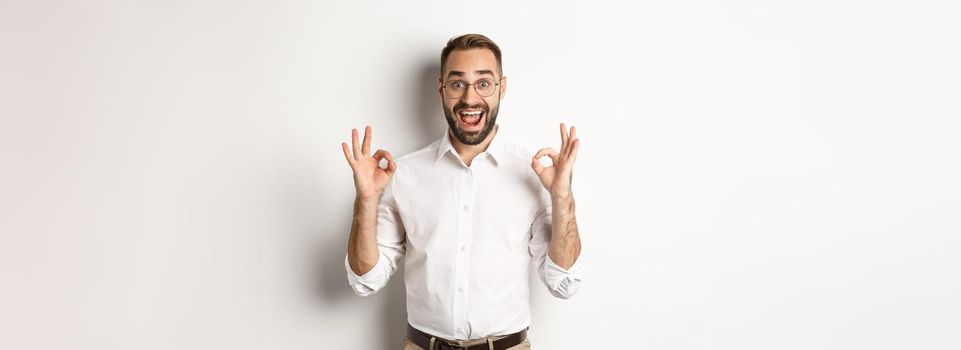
<point x="460" y="289"/>
<point x="465" y="208"/>
<point x="459" y="331"/>
<point x="463" y="248"/>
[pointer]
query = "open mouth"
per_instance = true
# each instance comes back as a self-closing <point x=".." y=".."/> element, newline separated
<point x="471" y="118"/>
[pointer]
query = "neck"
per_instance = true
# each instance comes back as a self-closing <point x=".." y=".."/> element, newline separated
<point x="468" y="152"/>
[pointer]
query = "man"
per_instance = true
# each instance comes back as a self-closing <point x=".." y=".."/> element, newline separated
<point x="470" y="212"/>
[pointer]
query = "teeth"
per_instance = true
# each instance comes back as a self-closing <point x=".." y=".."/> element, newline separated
<point x="471" y="118"/>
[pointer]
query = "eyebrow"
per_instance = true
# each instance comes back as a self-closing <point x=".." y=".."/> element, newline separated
<point x="478" y="72"/>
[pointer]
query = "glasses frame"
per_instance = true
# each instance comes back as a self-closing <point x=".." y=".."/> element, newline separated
<point x="497" y="83"/>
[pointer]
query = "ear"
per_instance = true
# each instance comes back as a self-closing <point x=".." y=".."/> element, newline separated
<point x="503" y="87"/>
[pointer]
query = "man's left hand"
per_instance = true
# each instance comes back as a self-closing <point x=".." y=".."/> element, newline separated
<point x="557" y="177"/>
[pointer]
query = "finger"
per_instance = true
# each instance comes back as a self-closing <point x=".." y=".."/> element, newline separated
<point x="356" y="143"/>
<point x="391" y="165"/>
<point x="368" y="132"/>
<point x="573" y="154"/>
<point x="350" y="158"/>
<point x="550" y="152"/>
<point x="381" y="154"/>
<point x="563" y="137"/>
<point x="563" y="134"/>
<point x="536" y="165"/>
<point x="570" y="141"/>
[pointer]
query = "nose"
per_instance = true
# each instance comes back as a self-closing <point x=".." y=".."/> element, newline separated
<point x="470" y="96"/>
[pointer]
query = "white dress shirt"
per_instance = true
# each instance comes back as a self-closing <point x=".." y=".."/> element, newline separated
<point x="469" y="235"/>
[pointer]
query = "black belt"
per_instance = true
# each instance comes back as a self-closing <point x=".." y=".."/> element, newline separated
<point x="423" y="340"/>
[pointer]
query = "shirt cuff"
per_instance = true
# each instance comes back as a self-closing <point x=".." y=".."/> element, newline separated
<point x="366" y="283"/>
<point x="573" y="271"/>
<point x="563" y="283"/>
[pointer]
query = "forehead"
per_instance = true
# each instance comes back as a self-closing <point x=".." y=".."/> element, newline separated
<point x="471" y="60"/>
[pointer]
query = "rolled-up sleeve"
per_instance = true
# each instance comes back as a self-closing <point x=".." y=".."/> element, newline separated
<point x="560" y="282"/>
<point x="391" y="240"/>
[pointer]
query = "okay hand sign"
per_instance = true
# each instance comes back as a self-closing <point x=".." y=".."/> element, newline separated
<point x="369" y="178"/>
<point x="557" y="177"/>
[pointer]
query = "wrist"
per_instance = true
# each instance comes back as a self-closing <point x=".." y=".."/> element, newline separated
<point x="562" y="196"/>
<point x="367" y="201"/>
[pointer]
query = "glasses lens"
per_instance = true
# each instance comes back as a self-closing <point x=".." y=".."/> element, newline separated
<point x="456" y="88"/>
<point x="485" y="87"/>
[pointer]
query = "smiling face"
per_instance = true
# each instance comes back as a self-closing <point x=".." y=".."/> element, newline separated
<point x="471" y="116"/>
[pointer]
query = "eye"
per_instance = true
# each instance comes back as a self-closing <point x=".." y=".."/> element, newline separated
<point x="457" y="84"/>
<point x="483" y="84"/>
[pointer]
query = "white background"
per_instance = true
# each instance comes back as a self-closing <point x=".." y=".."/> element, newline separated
<point x="752" y="174"/>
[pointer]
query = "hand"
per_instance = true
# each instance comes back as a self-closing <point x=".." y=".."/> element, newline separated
<point x="369" y="178"/>
<point x="557" y="177"/>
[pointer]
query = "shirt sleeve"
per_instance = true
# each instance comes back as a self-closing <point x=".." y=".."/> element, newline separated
<point x="391" y="246"/>
<point x="560" y="282"/>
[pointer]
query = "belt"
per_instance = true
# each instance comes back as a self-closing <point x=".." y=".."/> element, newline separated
<point x="424" y="340"/>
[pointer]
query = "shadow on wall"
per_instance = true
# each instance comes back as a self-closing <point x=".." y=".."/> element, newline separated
<point x="428" y="121"/>
<point x="427" y="125"/>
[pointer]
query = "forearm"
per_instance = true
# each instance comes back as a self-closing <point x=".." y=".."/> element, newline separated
<point x="565" y="244"/>
<point x="362" y="253"/>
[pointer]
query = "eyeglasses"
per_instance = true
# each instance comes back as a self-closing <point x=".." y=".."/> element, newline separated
<point x="457" y="88"/>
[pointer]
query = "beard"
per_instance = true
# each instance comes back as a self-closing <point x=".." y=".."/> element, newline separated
<point x="471" y="137"/>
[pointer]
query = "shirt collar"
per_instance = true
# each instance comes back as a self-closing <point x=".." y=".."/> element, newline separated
<point x="496" y="149"/>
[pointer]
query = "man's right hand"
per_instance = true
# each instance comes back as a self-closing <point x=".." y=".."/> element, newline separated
<point x="369" y="178"/>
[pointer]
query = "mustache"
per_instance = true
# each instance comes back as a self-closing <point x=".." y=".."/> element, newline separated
<point x="461" y="105"/>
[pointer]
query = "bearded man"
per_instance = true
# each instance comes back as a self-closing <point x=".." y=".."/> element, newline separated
<point x="468" y="214"/>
